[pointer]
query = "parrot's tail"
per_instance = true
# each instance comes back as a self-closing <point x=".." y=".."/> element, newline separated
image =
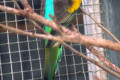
<point x="52" y="59"/>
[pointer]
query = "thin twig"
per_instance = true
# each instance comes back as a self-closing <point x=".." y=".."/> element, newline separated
<point x="103" y="59"/>
<point x="91" y="60"/>
<point x="98" y="55"/>
<point x="101" y="26"/>
<point x="16" y="4"/>
<point x="36" y="35"/>
<point x="96" y="77"/>
<point x="58" y="30"/>
<point x="58" y="25"/>
<point x="26" y="6"/>
<point x="94" y="51"/>
<point x="33" y="22"/>
<point x="42" y="7"/>
<point x="38" y="26"/>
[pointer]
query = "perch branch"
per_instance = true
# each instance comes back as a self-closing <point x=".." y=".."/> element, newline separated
<point x="96" y="77"/>
<point x="92" y="61"/>
<point x="103" y="59"/>
<point x="58" y="25"/>
<point x="26" y="5"/>
<point x="31" y="34"/>
<point x="16" y="4"/>
<point x="33" y="22"/>
<point x="72" y="37"/>
<point x="42" y="7"/>
<point x="60" y="40"/>
<point x="38" y="26"/>
<point x="98" y="55"/>
<point x="101" y="26"/>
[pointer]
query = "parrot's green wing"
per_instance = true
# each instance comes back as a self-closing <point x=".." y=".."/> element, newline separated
<point x="53" y="55"/>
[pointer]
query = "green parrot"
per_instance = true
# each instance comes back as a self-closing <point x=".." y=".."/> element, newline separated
<point x="64" y="11"/>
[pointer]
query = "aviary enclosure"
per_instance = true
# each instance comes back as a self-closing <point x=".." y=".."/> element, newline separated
<point x="22" y="57"/>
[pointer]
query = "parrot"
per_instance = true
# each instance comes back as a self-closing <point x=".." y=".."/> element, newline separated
<point x="64" y="11"/>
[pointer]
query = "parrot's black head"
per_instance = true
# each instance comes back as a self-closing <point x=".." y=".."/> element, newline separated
<point x="61" y="6"/>
<point x="62" y="3"/>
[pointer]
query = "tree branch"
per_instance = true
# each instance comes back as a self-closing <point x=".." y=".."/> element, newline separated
<point x="16" y="4"/>
<point x="98" y="55"/>
<point x="61" y="41"/>
<point x="101" y="26"/>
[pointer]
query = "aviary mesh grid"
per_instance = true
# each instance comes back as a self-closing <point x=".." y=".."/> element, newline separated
<point x="22" y="57"/>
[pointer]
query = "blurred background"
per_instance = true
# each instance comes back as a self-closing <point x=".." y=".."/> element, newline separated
<point x="22" y="57"/>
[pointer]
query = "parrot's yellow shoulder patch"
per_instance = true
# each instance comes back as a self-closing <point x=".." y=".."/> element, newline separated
<point x="75" y="5"/>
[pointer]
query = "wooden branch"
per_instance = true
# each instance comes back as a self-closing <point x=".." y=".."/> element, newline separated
<point x="60" y="40"/>
<point x="42" y="7"/>
<point x="94" y="51"/>
<point x="33" y="22"/>
<point x="16" y="4"/>
<point x="95" y="77"/>
<point x="35" y="35"/>
<point x="103" y="59"/>
<point x="71" y="36"/>
<point x="98" y="55"/>
<point x="11" y="10"/>
<point x="26" y="5"/>
<point x="59" y="30"/>
<point x="38" y="27"/>
<point x="101" y="26"/>
<point x="85" y="40"/>
<point x="92" y="61"/>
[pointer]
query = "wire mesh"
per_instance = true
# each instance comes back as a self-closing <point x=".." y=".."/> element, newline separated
<point x="91" y="29"/>
<point x="22" y="57"/>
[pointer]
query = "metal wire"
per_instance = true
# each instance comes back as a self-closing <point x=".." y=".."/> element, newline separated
<point x="22" y="57"/>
